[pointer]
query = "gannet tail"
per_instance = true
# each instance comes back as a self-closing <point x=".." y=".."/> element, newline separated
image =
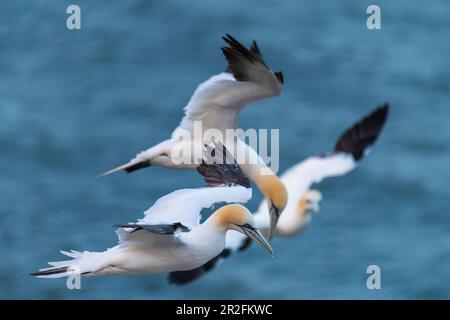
<point x="82" y="263"/>
<point x="129" y="167"/>
<point x="143" y="159"/>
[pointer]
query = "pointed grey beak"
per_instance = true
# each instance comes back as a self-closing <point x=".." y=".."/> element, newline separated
<point x="274" y="216"/>
<point x="254" y="234"/>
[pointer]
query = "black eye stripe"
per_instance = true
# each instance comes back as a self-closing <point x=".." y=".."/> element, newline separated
<point x="245" y="231"/>
<point x="248" y="226"/>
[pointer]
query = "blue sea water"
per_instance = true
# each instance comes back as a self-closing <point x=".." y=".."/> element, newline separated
<point x="76" y="103"/>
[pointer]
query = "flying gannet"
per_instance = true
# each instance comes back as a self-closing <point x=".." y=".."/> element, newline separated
<point x="216" y="103"/>
<point x="170" y="237"/>
<point x="350" y="149"/>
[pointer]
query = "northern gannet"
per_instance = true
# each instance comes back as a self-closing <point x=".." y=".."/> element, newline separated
<point x="350" y="148"/>
<point x="170" y="237"/>
<point x="216" y="103"/>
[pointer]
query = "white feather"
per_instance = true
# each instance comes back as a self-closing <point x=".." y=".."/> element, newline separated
<point x="184" y="206"/>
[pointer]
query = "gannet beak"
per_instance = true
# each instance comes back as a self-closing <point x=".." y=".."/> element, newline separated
<point x="274" y="216"/>
<point x="256" y="235"/>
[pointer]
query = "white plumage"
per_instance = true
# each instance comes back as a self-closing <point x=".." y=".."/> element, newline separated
<point x="184" y="206"/>
<point x="298" y="179"/>
<point x="141" y="251"/>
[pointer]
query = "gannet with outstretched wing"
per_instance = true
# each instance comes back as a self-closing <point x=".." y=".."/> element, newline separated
<point x="216" y="103"/>
<point x="170" y="237"/>
<point x="350" y="149"/>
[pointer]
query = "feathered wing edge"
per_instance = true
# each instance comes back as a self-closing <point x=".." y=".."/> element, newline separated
<point x="219" y="168"/>
<point x="61" y="268"/>
<point x="239" y="58"/>
<point x="363" y="134"/>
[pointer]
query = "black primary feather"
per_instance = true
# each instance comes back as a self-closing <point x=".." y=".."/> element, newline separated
<point x="238" y="57"/>
<point x="50" y="271"/>
<point x="156" y="228"/>
<point x="254" y="48"/>
<point x="363" y="134"/>
<point x="218" y="168"/>
<point x="279" y="76"/>
<point x="138" y="166"/>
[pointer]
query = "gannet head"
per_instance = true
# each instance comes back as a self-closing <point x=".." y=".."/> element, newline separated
<point x="237" y="217"/>
<point x="276" y="196"/>
<point x="309" y="202"/>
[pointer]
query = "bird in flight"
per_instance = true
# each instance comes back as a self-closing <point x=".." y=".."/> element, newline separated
<point x="170" y="237"/>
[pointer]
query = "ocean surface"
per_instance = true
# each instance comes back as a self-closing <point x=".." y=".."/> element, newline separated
<point x="76" y="103"/>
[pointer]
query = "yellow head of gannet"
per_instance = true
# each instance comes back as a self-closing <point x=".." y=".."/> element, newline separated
<point x="276" y="196"/>
<point x="237" y="217"/>
<point x="309" y="202"/>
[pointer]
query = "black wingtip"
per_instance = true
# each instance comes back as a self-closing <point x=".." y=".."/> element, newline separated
<point x="179" y="278"/>
<point x="279" y="76"/>
<point x="137" y="166"/>
<point x="165" y="229"/>
<point x="255" y="49"/>
<point x="228" y="38"/>
<point x="237" y="56"/>
<point x="220" y="168"/>
<point x="363" y="134"/>
<point x="49" y="272"/>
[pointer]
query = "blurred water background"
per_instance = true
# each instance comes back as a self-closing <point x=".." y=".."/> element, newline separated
<point x="76" y="103"/>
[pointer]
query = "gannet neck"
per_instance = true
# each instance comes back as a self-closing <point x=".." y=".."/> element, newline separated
<point x="230" y="216"/>
<point x="273" y="190"/>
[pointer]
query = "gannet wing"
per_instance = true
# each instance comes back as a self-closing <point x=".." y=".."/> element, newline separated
<point x="350" y="148"/>
<point x="180" y="210"/>
<point x="246" y="80"/>
<point x="184" y="206"/>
